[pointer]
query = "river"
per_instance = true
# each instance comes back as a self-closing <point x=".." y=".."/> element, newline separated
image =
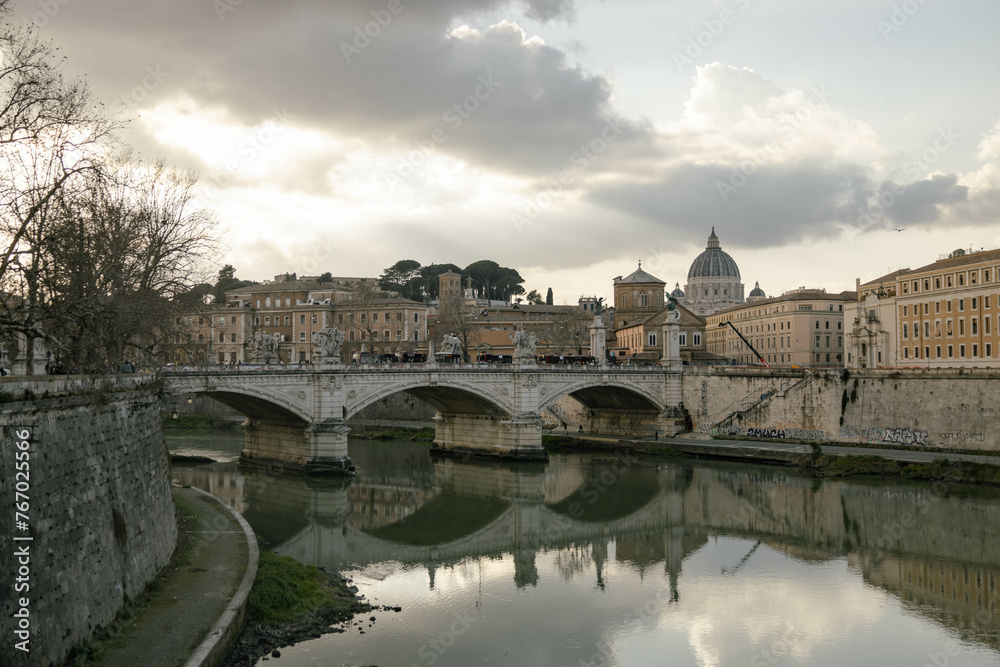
<point x="598" y="559"/>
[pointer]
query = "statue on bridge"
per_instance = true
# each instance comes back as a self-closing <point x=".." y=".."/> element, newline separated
<point x="525" y="343"/>
<point x="263" y="347"/>
<point x="328" y="340"/>
<point x="450" y="344"/>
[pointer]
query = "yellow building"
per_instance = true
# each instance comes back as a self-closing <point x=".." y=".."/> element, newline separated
<point x="803" y="327"/>
<point x="948" y="312"/>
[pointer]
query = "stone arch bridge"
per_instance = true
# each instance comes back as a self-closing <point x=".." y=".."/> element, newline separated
<point x="297" y="418"/>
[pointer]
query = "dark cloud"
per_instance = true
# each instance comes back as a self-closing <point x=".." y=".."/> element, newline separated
<point x="351" y="67"/>
<point x="920" y="202"/>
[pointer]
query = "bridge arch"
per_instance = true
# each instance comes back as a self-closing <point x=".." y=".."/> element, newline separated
<point x="444" y="396"/>
<point x="248" y="400"/>
<point x="609" y="395"/>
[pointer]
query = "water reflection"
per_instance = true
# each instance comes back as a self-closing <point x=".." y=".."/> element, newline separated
<point x="614" y="562"/>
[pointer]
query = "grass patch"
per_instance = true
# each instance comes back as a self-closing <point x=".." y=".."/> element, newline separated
<point x="286" y="591"/>
<point x="425" y="434"/>
<point x="962" y="472"/>
<point x="940" y="470"/>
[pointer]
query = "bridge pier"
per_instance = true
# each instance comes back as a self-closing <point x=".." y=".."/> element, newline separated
<point x="637" y="423"/>
<point x="319" y="448"/>
<point x="519" y="438"/>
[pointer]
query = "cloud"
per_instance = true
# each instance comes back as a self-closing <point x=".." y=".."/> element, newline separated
<point x="989" y="146"/>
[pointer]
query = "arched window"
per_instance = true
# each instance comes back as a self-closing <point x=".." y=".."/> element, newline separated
<point x="267" y="302"/>
<point x="643" y="300"/>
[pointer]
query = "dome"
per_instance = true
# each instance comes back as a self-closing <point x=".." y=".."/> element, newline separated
<point x="757" y="292"/>
<point x="714" y="262"/>
<point x="678" y="293"/>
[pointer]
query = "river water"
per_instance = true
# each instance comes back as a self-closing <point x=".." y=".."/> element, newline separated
<point x="602" y="560"/>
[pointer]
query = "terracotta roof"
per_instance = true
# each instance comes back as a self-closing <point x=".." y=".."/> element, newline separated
<point x="964" y="260"/>
<point x="808" y="295"/>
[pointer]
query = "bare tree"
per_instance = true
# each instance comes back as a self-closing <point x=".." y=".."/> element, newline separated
<point x="52" y="135"/>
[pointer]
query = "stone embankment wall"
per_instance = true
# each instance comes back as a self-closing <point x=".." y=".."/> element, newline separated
<point x="935" y="408"/>
<point x="101" y="515"/>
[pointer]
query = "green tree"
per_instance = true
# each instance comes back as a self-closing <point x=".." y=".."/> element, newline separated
<point x="403" y="277"/>
<point x="534" y="298"/>
<point x="325" y="278"/>
<point x="548" y="297"/>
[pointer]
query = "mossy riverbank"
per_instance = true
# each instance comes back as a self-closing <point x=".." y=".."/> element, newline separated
<point x="291" y="602"/>
<point x="940" y="470"/>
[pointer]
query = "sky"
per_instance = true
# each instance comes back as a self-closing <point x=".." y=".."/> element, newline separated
<point x="568" y="139"/>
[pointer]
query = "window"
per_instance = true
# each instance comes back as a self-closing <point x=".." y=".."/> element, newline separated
<point x="937" y="285"/>
<point x="986" y="324"/>
<point x="927" y="329"/>
<point x="267" y="321"/>
<point x="375" y="334"/>
<point x="222" y="337"/>
<point x="222" y="321"/>
<point x="287" y="320"/>
<point x="683" y="339"/>
<point x="267" y="302"/>
<point x="989" y="350"/>
<point x="961" y="326"/>
<point x="258" y="303"/>
<point x="817" y="342"/>
<point x="961" y="351"/>
<point x="232" y="320"/>
<point x="288" y="301"/>
<point x="624" y="300"/>
<point x="949" y="281"/>
<point x="256" y="321"/>
<point x="386" y="318"/>
<point x="416" y="318"/>
<point x="904" y="310"/>
<point x="302" y="318"/>
<point x="950" y="353"/>
<point x="975" y="351"/>
<point x="948" y="306"/>
<point x="374" y="317"/>
<point x="201" y="338"/>
<point x="975" y="326"/>
<point x="927" y="352"/>
<point x="937" y="306"/>
<point x="201" y="321"/>
<point x="340" y="319"/>
<point x="927" y="285"/>
<point x="399" y="317"/>
<point x="387" y="334"/>
<point x="961" y="305"/>
<point x="817" y="324"/>
<point x="652" y="339"/>
<point x="416" y="335"/>
<point x="906" y="353"/>
<point x="906" y="331"/>
<point x="315" y="318"/>
<point x="840" y="325"/>
<point x="973" y="303"/>
<point x="350" y="335"/>
<point x="926" y="306"/>
<point x="697" y="339"/>
<point x="643" y="300"/>
<point x="302" y="336"/>
<point x="232" y="338"/>
<point x="828" y="341"/>
<point x="961" y="281"/>
<point x="986" y="302"/>
<point x="828" y="324"/>
<point x="938" y="351"/>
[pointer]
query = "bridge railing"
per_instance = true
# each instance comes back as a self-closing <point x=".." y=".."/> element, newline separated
<point x="306" y="368"/>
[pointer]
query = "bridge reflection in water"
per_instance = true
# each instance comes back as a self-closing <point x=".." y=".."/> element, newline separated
<point x="933" y="548"/>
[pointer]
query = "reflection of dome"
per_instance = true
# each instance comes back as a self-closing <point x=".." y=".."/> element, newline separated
<point x="714" y="262"/>
<point x="757" y="292"/>
<point x="678" y="293"/>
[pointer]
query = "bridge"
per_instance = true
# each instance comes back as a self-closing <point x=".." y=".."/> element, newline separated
<point x="297" y="419"/>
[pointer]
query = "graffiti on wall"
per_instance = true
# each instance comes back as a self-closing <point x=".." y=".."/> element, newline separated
<point x="879" y="436"/>
<point x="770" y="433"/>
<point x="962" y="438"/>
